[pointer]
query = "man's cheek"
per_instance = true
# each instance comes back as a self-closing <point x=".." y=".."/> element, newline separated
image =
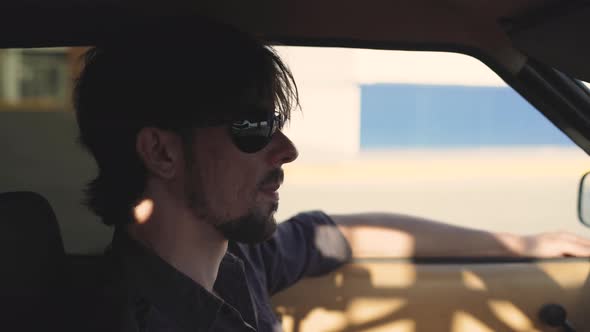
<point x="243" y="194"/>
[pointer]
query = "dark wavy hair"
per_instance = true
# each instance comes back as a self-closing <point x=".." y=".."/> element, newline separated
<point x="171" y="75"/>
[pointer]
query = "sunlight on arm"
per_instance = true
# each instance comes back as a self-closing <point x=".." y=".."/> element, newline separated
<point x="374" y="242"/>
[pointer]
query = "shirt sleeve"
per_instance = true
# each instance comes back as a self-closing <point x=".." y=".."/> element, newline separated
<point x="308" y="244"/>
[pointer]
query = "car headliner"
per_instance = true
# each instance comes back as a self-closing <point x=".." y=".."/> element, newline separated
<point x="463" y="22"/>
<point x="484" y="25"/>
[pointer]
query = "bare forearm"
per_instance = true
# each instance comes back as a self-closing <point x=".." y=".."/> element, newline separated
<point x="395" y="235"/>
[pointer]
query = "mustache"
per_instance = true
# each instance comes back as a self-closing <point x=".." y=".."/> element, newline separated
<point x="274" y="176"/>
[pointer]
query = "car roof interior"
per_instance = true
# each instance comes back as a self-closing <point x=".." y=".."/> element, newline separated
<point x="497" y="28"/>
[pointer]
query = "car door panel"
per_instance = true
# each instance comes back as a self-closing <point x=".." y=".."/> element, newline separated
<point x="397" y="295"/>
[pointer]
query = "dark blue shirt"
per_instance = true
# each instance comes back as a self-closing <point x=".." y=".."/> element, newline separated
<point x="151" y="295"/>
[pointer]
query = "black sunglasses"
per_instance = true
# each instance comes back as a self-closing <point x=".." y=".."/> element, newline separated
<point x="254" y="133"/>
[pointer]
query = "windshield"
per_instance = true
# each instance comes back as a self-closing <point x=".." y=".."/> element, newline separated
<point x="431" y="134"/>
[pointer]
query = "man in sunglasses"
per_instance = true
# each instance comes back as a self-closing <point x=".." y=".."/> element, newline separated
<point x="186" y="133"/>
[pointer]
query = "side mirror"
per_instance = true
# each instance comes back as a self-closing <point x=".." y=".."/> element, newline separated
<point x="584" y="200"/>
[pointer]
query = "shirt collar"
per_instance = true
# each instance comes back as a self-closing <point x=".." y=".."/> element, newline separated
<point x="232" y="286"/>
<point x="170" y="291"/>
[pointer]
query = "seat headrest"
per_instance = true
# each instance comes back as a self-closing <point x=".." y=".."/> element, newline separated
<point x="30" y="243"/>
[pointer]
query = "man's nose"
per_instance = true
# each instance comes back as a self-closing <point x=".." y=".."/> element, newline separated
<point x="282" y="150"/>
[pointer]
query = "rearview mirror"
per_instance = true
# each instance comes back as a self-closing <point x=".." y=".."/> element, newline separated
<point x="584" y="200"/>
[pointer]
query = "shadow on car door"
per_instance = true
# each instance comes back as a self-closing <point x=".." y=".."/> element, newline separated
<point x="455" y="295"/>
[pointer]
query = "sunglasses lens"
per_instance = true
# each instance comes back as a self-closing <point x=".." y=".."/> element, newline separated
<point x="252" y="136"/>
<point x="251" y="144"/>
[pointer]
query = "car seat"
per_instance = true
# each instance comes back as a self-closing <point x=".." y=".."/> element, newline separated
<point x="33" y="257"/>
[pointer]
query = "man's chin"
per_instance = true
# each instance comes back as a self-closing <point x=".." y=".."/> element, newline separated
<point x="249" y="229"/>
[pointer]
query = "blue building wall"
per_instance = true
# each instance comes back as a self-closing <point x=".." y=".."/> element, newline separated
<point x="438" y="116"/>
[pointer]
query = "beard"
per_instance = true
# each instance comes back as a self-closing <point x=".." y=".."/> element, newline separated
<point x="256" y="226"/>
<point x="252" y="228"/>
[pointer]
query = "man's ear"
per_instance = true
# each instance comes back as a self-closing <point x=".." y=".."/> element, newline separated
<point x="161" y="151"/>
